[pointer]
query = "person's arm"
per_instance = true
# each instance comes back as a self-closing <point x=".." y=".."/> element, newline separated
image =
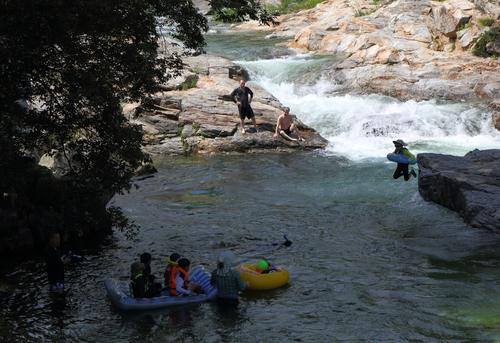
<point x="233" y="94"/>
<point x="239" y="284"/>
<point x="251" y="94"/>
<point x="178" y="285"/>
<point x="278" y="124"/>
<point x="236" y="93"/>
<point x="212" y="279"/>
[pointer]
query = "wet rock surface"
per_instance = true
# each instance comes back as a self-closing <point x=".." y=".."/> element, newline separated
<point x="469" y="185"/>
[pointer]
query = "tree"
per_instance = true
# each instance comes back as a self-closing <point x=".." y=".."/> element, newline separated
<point x="66" y="68"/>
<point x="240" y="10"/>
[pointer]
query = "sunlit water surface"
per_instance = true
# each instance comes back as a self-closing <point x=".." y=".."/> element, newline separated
<point x="370" y="260"/>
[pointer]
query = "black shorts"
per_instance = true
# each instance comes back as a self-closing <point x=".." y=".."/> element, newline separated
<point x="287" y="131"/>
<point x="245" y="112"/>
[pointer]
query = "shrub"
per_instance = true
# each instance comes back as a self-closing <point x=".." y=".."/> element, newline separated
<point x="465" y="26"/>
<point x="290" y="6"/>
<point x="191" y="84"/>
<point x="486" y="21"/>
<point x="489" y="36"/>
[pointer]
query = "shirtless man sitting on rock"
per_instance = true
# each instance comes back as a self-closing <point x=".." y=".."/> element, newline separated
<point x="285" y="126"/>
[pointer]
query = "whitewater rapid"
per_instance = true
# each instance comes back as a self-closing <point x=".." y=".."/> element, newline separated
<point x="363" y="127"/>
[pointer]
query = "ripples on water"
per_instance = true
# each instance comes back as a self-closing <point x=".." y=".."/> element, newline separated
<point x="370" y="259"/>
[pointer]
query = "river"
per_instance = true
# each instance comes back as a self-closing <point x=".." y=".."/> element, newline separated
<point x="370" y="260"/>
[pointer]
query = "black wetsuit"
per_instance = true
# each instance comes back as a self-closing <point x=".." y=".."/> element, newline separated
<point x="55" y="266"/>
<point x="245" y="109"/>
<point x="402" y="169"/>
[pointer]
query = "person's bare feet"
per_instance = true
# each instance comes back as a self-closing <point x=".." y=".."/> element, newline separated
<point x="243" y="131"/>
<point x="301" y="139"/>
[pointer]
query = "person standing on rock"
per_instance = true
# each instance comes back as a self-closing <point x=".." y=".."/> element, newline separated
<point x="285" y="126"/>
<point x="243" y="101"/>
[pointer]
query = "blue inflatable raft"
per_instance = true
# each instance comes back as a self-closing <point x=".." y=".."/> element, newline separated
<point x="400" y="158"/>
<point x="119" y="293"/>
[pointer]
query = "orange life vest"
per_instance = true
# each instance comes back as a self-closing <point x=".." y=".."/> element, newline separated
<point x="173" y="285"/>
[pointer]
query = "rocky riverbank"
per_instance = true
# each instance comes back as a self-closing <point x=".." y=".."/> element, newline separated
<point x="406" y="49"/>
<point x="203" y="119"/>
<point x="469" y="185"/>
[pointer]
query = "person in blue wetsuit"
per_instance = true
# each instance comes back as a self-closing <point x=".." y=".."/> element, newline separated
<point x="402" y="168"/>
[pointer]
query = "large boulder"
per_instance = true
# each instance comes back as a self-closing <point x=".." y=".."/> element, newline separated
<point x="204" y="120"/>
<point x="469" y="185"/>
<point x="407" y="48"/>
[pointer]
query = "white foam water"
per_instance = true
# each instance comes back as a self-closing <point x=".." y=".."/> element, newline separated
<point x="363" y="127"/>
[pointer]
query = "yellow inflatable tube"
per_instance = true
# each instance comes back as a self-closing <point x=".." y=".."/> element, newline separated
<point x="263" y="281"/>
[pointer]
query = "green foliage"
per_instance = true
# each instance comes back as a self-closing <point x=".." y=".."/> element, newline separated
<point x="236" y="11"/>
<point x="66" y="66"/>
<point x="290" y="6"/>
<point x="227" y="15"/>
<point x="465" y="26"/>
<point x="486" y="21"/>
<point x="358" y="12"/>
<point x="492" y="35"/>
<point x="196" y="127"/>
<point x="190" y="84"/>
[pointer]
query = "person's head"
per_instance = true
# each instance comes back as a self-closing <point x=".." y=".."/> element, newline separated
<point x="146" y="258"/>
<point x="399" y="144"/>
<point x="242" y="83"/>
<point x="184" y="264"/>
<point x="54" y="239"/>
<point x="136" y="268"/>
<point x="224" y="261"/>
<point x="286" y="111"/>
<point x="173" y="259"/>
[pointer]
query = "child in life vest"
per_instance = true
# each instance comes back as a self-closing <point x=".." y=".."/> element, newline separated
<point x="138" y="281"/>
<point x="179" y="283"/>
<point x="172" y="262"/>
<point x="402" y="168"/>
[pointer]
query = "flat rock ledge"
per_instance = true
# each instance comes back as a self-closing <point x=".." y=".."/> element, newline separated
<point x="469" y="185"/>
<point x="203" y="120"/>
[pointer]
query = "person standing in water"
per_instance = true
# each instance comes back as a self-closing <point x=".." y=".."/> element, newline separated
<point x="228" y="280"/>
<point x="402" y="168"/>
<point x="243" y="99"/>
<point x="54" y="263"/>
